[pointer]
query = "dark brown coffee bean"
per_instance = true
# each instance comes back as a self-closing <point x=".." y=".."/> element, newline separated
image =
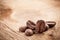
<point x="23" y="28"/>
<point x="51" y="23"/>
<point x="29" y="32"/>
<point x="40" y="26"/>
<point x="30" y="24"/>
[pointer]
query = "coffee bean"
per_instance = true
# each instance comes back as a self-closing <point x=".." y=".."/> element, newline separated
<point x="51" y="23"/>
<point x="29" y="32"/>
<point x="40" y="26"/>
<point x="30" y="24"/>
<point x="23" y="28"/>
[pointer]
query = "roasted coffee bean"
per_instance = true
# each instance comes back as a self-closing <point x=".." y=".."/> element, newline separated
<point x="51" y="23"/>
<point x="23" y="28"/>
<point x="29" y="32"/>
<point x="40" y="26"/>
<point x="30" y="24"/>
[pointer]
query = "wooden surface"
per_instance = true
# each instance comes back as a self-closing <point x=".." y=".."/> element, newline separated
<point x="30" y="10"/>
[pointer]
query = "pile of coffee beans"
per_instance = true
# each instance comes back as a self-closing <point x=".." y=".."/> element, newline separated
<point x="34" y="28"/>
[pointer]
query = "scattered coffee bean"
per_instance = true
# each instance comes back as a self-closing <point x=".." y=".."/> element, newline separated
<point x="30" y="24"/>
<point x="23" y="28"/>
<point x="40" y="26"/>
<point x="51" y="23"/>
<point x="29" y="32"/>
